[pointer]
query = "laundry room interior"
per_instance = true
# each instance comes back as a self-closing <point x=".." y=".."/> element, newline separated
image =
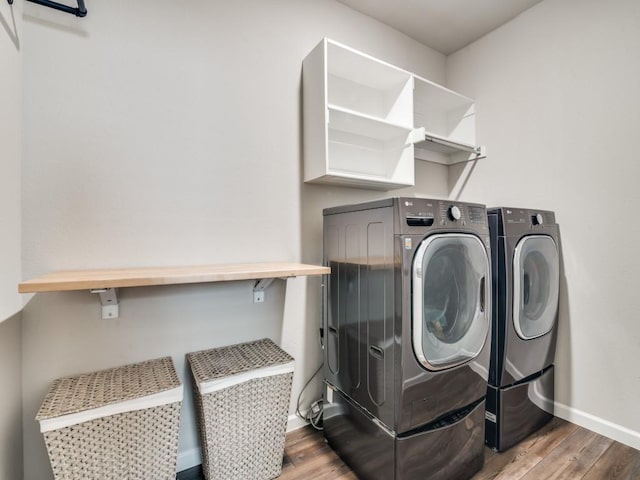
<point x="154" y="134"/>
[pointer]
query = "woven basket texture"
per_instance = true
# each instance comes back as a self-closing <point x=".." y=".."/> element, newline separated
<point x="98" y="389"/>
<point x="141" y="444"/>
<point x="242" y="427"/>
<point x="221" y="362"/>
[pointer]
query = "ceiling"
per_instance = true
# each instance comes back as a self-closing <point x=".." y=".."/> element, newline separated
<point x="444" y="25"/>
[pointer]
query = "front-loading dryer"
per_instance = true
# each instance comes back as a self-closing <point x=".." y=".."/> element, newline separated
<point x="526" y="278"/>
<point x="407" y="337"/>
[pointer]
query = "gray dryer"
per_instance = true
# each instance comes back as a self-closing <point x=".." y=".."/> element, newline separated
<point x="526" y="280"/>
<point x="407" y="337"/>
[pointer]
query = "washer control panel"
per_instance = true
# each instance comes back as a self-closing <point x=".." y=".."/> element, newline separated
<point x="420" y="212"/>
<point x="528" y="218"/>
<point x="455" y="213"/>
<point x="537" y="219"/>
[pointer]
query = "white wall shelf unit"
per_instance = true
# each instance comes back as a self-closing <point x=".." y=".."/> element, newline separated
<point x="362" y="117"/>
<point x="358" y="119"/>
<point x="105" y="281"/>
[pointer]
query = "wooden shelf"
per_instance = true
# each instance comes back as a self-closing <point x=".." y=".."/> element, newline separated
<point x="152" y="276"/>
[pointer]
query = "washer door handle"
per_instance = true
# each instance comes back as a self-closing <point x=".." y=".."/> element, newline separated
<point x="526" y="283"/>
<point x="483" y="293"/>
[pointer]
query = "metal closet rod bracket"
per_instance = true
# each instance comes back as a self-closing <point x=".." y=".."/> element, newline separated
<point x="79" y="11"/>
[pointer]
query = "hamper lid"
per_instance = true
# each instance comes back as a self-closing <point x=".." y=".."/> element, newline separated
<point x="78" y="399"/>
<point x="226" y="366"/>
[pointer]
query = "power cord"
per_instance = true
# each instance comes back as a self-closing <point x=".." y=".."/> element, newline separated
<point x="314" y="414"/>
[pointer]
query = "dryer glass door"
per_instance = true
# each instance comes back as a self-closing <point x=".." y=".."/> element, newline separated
<point x="536" y="280"/>
<point x="450" y="300"/>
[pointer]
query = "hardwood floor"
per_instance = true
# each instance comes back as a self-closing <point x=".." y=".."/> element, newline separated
<point x="560" y="450"/>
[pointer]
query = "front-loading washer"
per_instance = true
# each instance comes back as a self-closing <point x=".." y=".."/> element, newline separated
<point x="406" y="337"/>
<point x="526" y="281"/>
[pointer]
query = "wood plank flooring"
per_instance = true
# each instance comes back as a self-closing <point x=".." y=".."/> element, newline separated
<point x="558" y="451"/>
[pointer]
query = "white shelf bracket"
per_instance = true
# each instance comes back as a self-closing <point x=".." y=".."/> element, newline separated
<point x="481" y="152"/>
<point x="109" y="302"/>
<point x="260" y="287"/>
<point x="477" y="154"/>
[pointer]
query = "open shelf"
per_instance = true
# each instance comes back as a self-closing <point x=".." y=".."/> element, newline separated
<point x="350" y="121"/>
<point x="354" y="178"/>
<point x="362" y="83"/>
<point x="363" y="117"/>
<point x="358" y="119"/>
<point x="448" y="120"/>
<point x="153" y="276"/>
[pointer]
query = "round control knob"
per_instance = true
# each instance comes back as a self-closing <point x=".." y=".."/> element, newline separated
<point x="455" y="213"/>
<point x="537" y="219"/>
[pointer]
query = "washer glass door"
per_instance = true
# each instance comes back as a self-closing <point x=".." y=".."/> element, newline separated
<point x="536" y="280"/>
<point x="451" y="315"/>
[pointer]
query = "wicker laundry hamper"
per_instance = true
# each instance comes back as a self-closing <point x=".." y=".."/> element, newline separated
<point x="242" y="395"/>
<point x="120" y="423"/>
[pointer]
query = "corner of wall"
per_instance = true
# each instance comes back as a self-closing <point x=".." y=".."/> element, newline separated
<point x="11" y="448"/>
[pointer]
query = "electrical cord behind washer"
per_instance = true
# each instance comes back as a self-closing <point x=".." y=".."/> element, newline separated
<point x="314" y="414"/>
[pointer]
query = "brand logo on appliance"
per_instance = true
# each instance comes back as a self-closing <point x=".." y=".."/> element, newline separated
<point x="408" y="204"/>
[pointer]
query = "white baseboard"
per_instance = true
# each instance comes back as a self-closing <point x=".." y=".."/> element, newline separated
<point x="188" y="459"/>
<point x="191" y="458"/>
<point x="598" y="425"/>
<point x="294" y="422"/>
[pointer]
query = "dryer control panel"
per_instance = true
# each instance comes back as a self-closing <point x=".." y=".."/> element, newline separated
<point x="417" y="215"/>
<point x="528" y="217"/>
<point x="524" y="221"/>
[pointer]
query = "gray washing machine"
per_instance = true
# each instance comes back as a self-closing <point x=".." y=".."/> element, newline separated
<point x="526" y="281"/>
<point x="406" y="337"/>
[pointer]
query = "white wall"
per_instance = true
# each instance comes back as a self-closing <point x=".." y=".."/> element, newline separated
<point x="558" y="107"/>
<point x="10" y="400"/>
<point x="10" y="258"/>
<point x="10" y="151"/>
<point x="163" y="133"/>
